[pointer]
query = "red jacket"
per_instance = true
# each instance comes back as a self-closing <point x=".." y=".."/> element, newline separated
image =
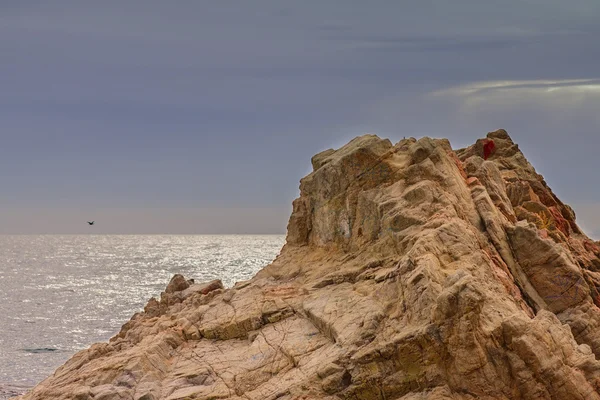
<point x="488" y="148"/>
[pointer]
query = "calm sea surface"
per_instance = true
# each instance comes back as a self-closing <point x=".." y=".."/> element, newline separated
<point x="59" y="294"/>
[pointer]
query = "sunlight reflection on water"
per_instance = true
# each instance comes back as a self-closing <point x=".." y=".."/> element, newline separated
<point x="67" y="292"/>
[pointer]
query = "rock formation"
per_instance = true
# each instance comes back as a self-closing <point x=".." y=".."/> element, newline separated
<point x="411" y="271"/>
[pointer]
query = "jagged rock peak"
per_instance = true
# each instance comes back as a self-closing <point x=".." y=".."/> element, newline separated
<point x="410" y="271"/>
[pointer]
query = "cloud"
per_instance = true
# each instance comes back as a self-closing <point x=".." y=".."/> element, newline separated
<point x="551" y="95"/>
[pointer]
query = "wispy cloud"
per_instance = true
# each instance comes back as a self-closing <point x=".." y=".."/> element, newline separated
<point x="514" y="93"/>
<point x="534" y="85"/>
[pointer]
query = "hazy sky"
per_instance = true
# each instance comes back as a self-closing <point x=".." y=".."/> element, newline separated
<point x="201" y="116"/>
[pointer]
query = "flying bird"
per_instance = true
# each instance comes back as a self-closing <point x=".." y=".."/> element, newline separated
<point x="91" y="223"/>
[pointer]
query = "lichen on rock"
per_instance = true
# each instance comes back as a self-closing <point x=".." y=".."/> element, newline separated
<point x="410" y="271"/>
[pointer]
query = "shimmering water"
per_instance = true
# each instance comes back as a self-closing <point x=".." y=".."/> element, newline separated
<point x="59" y="294"/>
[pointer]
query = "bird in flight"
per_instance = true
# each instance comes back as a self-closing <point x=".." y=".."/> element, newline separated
<point x="91" y="223"/>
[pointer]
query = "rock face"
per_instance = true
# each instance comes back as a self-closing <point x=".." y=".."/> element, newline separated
<point x="411" y="271"/>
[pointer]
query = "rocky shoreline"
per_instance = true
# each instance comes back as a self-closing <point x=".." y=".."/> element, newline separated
<point x="411" y="271"/>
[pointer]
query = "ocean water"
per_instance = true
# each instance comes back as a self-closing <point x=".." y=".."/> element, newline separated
<point x="61" y="293"/>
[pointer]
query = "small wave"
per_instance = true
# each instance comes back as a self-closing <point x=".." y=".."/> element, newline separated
<point x="8" y="391"/>
<point x="40" y="350"/>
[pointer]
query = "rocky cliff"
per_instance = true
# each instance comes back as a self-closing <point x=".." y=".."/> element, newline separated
<point x="411" y="271"/>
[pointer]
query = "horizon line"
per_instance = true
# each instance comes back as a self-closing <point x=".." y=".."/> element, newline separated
<point x="163" y="233"/>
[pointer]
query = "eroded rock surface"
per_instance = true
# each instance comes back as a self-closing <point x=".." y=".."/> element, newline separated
<point x="411" y="271"/>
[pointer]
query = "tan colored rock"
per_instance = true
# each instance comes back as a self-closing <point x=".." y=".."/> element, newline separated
<point x="410" y="271"/>
<point x="177" y="284"/>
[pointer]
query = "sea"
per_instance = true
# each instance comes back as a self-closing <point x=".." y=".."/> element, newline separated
<point x="61" y="293"/>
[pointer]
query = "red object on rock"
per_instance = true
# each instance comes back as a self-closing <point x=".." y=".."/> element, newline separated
<point x="488" y="148"/>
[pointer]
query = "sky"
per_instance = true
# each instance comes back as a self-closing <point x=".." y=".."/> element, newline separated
<point x="201" y="117"/>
